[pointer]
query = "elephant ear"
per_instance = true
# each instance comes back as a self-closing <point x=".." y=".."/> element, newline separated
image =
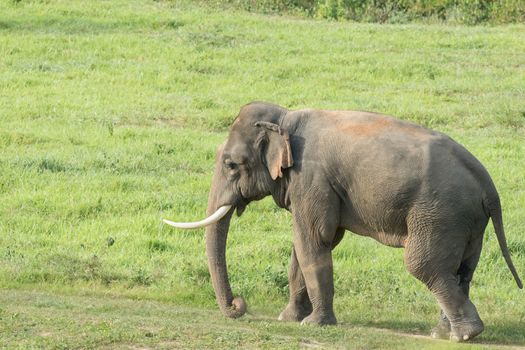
<point x="277" y="154"/>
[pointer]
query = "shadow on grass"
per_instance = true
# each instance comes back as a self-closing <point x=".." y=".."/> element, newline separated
<point x="506" y="333"/>
<point x="406" y="327"/>
<point x="76" y="25"/>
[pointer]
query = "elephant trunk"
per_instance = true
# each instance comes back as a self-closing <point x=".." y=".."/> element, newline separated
<point x="216" y="236"/>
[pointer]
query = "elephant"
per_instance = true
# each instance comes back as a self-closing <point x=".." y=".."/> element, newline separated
<point x="368" y="173"/>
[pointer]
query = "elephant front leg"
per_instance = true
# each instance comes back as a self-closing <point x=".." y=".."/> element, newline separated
<point x="318" y="274"/>
<point x="299" y="305"/>
<point x="313" y="248"/>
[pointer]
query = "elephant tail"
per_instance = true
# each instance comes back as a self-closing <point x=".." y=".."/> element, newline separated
<point x="494" y="209"/>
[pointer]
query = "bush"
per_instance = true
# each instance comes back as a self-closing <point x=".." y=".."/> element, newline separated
<point x="392" y="11"/>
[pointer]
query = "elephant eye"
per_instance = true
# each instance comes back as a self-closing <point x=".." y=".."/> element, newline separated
<point x="228" y="164"/>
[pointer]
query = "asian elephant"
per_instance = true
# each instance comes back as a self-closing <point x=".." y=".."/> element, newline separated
<point x="368" y="173"/>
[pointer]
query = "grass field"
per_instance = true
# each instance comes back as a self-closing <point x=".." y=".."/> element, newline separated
<point x="110" y="114"/>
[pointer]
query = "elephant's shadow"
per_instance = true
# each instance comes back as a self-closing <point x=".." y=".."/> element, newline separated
<point x="509" y="333"/>
<point x="505" y="333"/>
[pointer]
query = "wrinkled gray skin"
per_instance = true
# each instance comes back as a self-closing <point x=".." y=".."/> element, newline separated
<point x="399" y="183"/>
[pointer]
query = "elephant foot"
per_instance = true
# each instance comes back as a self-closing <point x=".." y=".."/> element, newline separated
<point x="294" y="313"/>
<point x="442" y="330"/>
<point x="468" y="325"/>
<point x="440" y="333"/>
<point x="319" y="318"/>
<point x="466" y="331"/>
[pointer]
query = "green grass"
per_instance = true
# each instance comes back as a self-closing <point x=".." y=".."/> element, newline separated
<point x="110" y="114"/>
<point x="43" y="320"/>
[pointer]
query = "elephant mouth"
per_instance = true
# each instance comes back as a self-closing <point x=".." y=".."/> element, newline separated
<point x="240" y="206"/>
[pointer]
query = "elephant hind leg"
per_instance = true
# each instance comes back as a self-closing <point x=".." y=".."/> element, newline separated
<point x="465" y="322"/>
<point x="437" y="263"/>
<point x="442" y="329"/>
<point x="465" y="273"/>
<point x="469" y="264"/>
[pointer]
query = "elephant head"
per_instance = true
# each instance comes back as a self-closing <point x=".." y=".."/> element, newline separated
<point x="249" y="166"/>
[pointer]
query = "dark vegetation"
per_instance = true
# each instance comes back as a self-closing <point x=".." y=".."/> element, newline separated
<point x="394" y="11"/>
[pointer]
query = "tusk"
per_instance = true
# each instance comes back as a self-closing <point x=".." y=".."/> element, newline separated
<point x="219" y="214"/>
